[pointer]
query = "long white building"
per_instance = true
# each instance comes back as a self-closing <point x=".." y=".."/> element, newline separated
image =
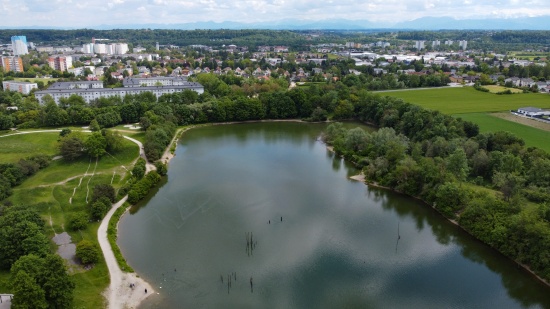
<point x="92" y="90"/>
<point x="22" y="87"/>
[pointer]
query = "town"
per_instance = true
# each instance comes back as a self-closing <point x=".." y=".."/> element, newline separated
<point x="405" y="64"/>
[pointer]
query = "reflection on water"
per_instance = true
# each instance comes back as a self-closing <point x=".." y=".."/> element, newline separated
<point x="262" y="216"/>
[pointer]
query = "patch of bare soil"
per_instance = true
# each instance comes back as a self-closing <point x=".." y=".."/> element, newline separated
<point x="523" y="120"/>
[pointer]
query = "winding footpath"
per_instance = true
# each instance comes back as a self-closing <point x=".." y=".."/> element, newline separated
<point x="119" y="294"/>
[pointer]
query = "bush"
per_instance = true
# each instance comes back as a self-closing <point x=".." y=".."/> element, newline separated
<point x="99" y="208"/>
<point x="162" y="168"/>
<point x="87" y="252"/>
<point x="78" y="221"/>
<point x="139" y="168"/>
<point x="141" y="188"/>
<point x="103" y="190"/>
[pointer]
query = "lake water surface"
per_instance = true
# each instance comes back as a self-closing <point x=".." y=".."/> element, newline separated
<point x="319" y="239"/>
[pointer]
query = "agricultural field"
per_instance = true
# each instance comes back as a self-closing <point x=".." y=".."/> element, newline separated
<point x="482" y="107"/>
<point x="533" y="137"/>
<point x="461" y="100"/>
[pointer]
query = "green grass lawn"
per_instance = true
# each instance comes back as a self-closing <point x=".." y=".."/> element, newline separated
<point x="532" y="136"/>
<point x="462" y="100"/>
<point x="13" y="148"/>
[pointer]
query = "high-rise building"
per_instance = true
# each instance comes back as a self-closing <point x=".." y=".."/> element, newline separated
<point x="14" y="64"/>
<point x="22" y="87"/>
<point x="19" y="45"/>
<point x="60" y="63"/>
<point x="436" y="44"/>
<point x="463" y="44"/>
<point x="419" y="45"/>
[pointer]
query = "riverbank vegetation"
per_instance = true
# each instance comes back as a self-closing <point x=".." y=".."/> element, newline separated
<point x="429" y="155"/>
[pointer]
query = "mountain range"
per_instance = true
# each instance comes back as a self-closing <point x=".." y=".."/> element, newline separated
<point x="425" y="23"/>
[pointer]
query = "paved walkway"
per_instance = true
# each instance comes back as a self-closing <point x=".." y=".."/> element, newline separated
<point x="5" y="301"/>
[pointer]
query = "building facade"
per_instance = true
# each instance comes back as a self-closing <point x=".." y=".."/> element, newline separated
<point x="92" y="90"/>
<point x="14" y="64"/>
<point x="19" y="45"/>
<point x="60" y="63"/>
<point x="21" y="87"/>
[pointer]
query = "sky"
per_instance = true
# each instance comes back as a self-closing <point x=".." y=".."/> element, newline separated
<point x="90" y="13"/>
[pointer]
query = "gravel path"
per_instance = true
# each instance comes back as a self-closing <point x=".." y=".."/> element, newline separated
<point x="119" y="294"/>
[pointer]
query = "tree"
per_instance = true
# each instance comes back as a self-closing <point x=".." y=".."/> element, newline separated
<point x="21" y="233"/>
<point x="6" y="122"/>
<point x="508" y="184"/>
<point x="71" y="147"/>
<point x="78" y="221"/>
<point x="99" y="208"/>
<point x="27" y="293"/>
<point x="95" y="145"/>
<point x="94" y="125"/>
<point x="103" y="190"/>
<point x="57" y="284"/>
<point x="457" y="164"/>
<point x="87" y="252"/>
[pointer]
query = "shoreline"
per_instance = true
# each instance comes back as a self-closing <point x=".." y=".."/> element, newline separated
<point x="361" y="177"/>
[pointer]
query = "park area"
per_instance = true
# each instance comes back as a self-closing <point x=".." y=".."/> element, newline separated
<point x="486" y="109"/>
<point x="63" y="190"/>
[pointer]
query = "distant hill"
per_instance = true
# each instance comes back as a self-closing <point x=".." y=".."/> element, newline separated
<point x="425" y="23"/>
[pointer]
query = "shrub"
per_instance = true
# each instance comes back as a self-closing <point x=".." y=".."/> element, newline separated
<point x="78" y="221"/>
<point x="87" y="252"/>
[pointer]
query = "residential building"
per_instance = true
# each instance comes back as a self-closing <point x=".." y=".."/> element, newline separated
<point x="92" y="90"/>
<point x="21" y="87"/>
<point x="60" y="63"/>
<point x="533" y="111"/>
<point x="463" y="45"/>
<point x="436" y="44"/>
<point x="154" y="81"/>
<point x="14" y="64"/>
<point x="419" y="45"/>
<point x="19" y="45"/>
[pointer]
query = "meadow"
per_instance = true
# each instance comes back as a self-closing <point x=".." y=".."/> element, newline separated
<point x="461" y="100"/>
<point x="19" y="146"/>
<point x="63" y="188"/>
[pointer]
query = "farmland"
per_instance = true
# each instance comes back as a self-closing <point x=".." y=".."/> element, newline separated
<point x="462" y="100"/>
<point x="476" y="106"/>
<point x="532" y="136"/>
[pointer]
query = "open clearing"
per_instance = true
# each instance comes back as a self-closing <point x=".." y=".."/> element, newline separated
<point x="495" y="89"/>
<point x="468" y="100"/>
<point x="21" y="146"/>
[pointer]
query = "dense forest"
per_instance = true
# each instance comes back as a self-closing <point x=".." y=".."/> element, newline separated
<point x="296" y="40"/>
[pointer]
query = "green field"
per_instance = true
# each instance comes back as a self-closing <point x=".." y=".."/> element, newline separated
<point x="34" y="80"/>
<point x="15" y="147"/>
<point x="468" y="100"/>
<point x="532" y="136"/>
<point x="496" y="89"/>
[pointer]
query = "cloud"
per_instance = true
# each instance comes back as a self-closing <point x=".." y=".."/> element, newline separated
<point x="90" y="13"/>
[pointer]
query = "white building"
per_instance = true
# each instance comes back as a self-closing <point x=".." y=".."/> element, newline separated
<point x="463" y="45"/>
<point x="533" y="111"/>
<point x="100" y="48"/>
<point x="154" y="81"/>
<point x="19" y="45"/>
<point x="21" y="87"/>
<point x="92" y="90"/>
<point x="419" y="45"/>
<point x="87" y="48"/>
<point x="436" y="44"/>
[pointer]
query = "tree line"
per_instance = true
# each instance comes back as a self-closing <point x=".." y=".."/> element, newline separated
<point x="447" y="163"/>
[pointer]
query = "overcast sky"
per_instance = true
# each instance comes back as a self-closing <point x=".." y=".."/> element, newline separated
<point x="89" y="13"/>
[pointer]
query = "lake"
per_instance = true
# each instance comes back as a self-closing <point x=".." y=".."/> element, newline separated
<point x="262" y="215"/>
